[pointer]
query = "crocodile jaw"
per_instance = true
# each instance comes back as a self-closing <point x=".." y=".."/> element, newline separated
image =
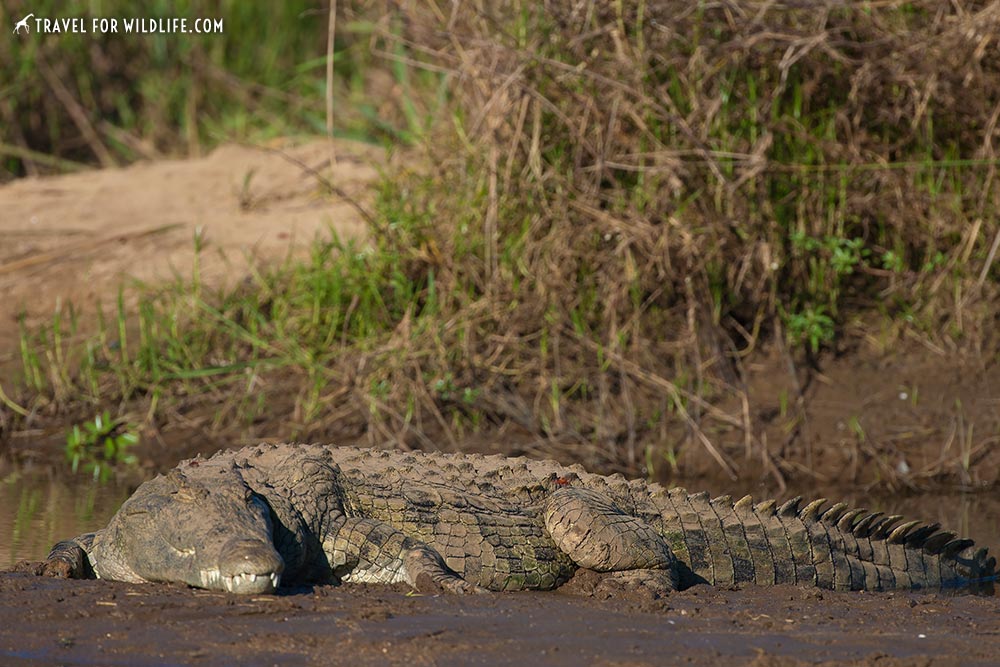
<point x="246" y="583"/>
<point x="245" y="566"/>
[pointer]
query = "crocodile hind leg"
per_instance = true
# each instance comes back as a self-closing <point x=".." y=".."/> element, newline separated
<point x="596" y="534"/>
<point x="370" y="551"/>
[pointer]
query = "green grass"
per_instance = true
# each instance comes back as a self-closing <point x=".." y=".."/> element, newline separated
<point x="302" y="318"/>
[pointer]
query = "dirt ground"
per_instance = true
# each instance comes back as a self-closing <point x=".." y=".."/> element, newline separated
<point x="46" y="621"/>
<point x="77" y="237"/>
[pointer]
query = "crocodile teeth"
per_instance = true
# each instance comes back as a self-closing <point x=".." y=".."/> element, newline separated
<point x="209" y="577"/>
<point x="215" y="579"/>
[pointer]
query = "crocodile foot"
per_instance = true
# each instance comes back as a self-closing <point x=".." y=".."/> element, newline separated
<point x="428" y="583"/>
<point x="644" y="584"/>
<point x="67" y="560"/>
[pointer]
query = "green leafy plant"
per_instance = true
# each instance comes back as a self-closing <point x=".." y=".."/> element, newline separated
<point x="846" y="254"/>
<point x="811" y="324"/>
<point x="100" y="445"/>
<point x="893" y="261"/>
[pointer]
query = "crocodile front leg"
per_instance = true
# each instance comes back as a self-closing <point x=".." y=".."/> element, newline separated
<point x="596" y="534"/>
<point x="70" y="559"/>
<point x="370" y="551"/>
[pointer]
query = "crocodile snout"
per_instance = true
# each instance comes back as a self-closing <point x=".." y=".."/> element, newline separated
<point x="246" y="567"/>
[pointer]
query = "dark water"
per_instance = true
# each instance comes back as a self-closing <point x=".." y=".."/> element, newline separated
<point x="39" y="508"/>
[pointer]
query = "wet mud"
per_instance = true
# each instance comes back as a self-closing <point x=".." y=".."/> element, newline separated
<point x="49" y="621"/>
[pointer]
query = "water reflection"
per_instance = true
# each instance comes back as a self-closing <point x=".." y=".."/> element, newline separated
<point x="39" y="508"/>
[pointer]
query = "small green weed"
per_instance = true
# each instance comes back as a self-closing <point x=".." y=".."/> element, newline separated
<point x="100" y="445"/>
<point x="829" y="260"/>
<point x="893" y="261"/>
<point x="811" y="324"/>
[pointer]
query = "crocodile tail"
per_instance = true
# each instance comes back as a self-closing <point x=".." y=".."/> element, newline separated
<point x="831" y="546"/>
<point x="886" y="552"/>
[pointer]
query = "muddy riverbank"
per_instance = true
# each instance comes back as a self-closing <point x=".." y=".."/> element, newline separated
<point x="46" y="621"/>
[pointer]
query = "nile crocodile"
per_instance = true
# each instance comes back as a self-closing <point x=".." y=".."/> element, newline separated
<point x="243" y="521"/>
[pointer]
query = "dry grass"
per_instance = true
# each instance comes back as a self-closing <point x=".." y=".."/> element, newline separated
<point x="657" y="187"/>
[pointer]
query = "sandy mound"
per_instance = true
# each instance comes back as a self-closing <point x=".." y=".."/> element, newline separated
<point x="77" y="237"/>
